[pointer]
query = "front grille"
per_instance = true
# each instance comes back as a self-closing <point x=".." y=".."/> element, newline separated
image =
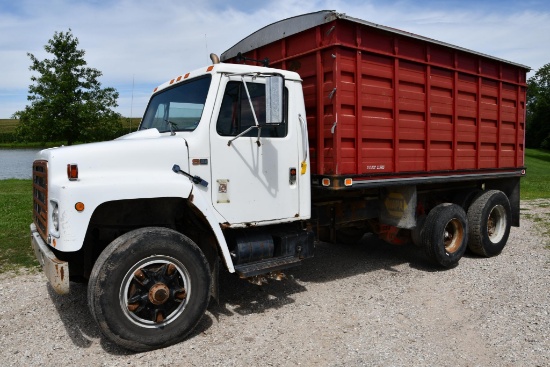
<point x="40" y="197"/>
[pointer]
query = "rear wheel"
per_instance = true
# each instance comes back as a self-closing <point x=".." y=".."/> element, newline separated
<point x="444" y="234"/>
<point x="489" y="217"/>
<point x="149" y="288"/>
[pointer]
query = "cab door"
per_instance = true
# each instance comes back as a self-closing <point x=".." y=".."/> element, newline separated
<point x="254" y="175"/>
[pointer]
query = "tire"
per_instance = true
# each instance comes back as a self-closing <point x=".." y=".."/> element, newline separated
<point x="490" y="220"/>
<point x="149" y="288"/>
<point x="444" y="234"/>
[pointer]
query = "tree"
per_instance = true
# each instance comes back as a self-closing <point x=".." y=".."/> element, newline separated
<point x="67" y="100"/>
<point x="538" y="109"/>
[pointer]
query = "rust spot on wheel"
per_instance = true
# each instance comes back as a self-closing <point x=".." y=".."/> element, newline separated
<point x="171" y="269"/>
<point x="181" y="294"/>
<point x="139" y="275"/>
<point x="159" y="317"/>
<point x="453" y="236"/>
<point x="159" y="293"/>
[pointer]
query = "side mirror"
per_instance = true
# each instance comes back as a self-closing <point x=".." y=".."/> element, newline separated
<point x="274" y="88"/>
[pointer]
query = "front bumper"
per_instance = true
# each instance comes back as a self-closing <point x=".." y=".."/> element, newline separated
<point x="56" y="271"/>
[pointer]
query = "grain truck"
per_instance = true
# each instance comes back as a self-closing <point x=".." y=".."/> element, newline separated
<point x="320" y="127"/>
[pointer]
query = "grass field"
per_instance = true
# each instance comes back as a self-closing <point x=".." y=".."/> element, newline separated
<point x="536" y="183"/>
<point x="15" y="218"/>
<point x="16" y="209"/>
<point x="8" y="126"/>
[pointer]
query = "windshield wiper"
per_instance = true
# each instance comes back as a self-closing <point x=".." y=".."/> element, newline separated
<point x="172" y="125"/>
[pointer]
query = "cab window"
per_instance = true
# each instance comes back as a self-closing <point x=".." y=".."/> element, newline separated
<point x="180" y="106"/>
<point x="236" y="114"/>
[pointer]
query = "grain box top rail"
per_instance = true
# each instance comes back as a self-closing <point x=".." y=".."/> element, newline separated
<point x="290" y="26"/>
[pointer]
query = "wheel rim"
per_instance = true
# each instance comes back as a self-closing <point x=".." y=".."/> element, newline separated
<point x="496" y="224"/>
<point x="155" y="291"/>
<point x="453" y="236"/>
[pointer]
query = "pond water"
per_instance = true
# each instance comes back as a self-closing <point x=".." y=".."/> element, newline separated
<point x="16" y="163"/>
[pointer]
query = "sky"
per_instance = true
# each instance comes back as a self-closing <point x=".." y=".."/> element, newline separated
<point x="138" y="44"/>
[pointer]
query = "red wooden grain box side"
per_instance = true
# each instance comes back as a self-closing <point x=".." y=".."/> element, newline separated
<point x="386" y="103"/>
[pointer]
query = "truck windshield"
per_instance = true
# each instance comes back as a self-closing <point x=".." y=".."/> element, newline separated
<point x="178" y="108"/>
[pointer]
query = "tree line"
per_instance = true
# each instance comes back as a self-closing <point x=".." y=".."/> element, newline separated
<point x="68" y="103"/>
<point x="537" y="133"/>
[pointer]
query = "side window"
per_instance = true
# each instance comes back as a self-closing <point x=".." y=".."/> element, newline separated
<point x="236" y="115"/>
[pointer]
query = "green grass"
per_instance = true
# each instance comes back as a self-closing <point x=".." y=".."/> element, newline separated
<point x="536" y="183"/>
<point x="131" y="124"/>
<point x="8" y="125"/>
<point x="15" y="218"/>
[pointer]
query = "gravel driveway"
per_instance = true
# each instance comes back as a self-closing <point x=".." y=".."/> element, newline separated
<point x="372" y="304"/>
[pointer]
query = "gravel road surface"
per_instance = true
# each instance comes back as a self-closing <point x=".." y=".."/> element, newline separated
<point x="373" y="304"/>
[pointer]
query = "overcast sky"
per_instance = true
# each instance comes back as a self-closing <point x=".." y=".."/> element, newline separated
<point x="140" y="44"/>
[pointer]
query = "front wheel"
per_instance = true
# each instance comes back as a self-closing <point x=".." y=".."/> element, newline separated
<point x="149" y="288"/>
<point x="444" y="234"/>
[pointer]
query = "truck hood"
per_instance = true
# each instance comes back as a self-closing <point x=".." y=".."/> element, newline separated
<point x="141" y="134"/>
<point x="146" y="152"/>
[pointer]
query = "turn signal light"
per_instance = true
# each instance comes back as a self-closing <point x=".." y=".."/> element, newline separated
<point x="72" y="171"/>
<point x="79" y="206"/>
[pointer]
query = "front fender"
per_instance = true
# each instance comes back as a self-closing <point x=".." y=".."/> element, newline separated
<point x="199" y="198"/>
<point x="93" y="192"/>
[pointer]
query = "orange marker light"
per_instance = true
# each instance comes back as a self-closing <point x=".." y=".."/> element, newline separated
<point x="348" y="182"/>
<point x="186" y="76"/>
<point x="179" y="78"/>
<point x="210" y="68"/>
<point x="72" y="171"/>
<point x="79" y="206"/>
<point x="325" y="182"/>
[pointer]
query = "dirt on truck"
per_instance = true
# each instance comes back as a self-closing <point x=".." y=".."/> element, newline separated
<point x="320" y="127"/>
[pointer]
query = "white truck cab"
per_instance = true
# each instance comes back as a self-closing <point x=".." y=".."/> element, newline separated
<point x="217" y="170"/>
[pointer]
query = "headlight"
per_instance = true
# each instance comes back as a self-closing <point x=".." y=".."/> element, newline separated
<point x="55" y="217"/>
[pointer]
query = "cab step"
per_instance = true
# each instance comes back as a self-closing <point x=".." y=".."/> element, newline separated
<point x="266" y="266"/>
